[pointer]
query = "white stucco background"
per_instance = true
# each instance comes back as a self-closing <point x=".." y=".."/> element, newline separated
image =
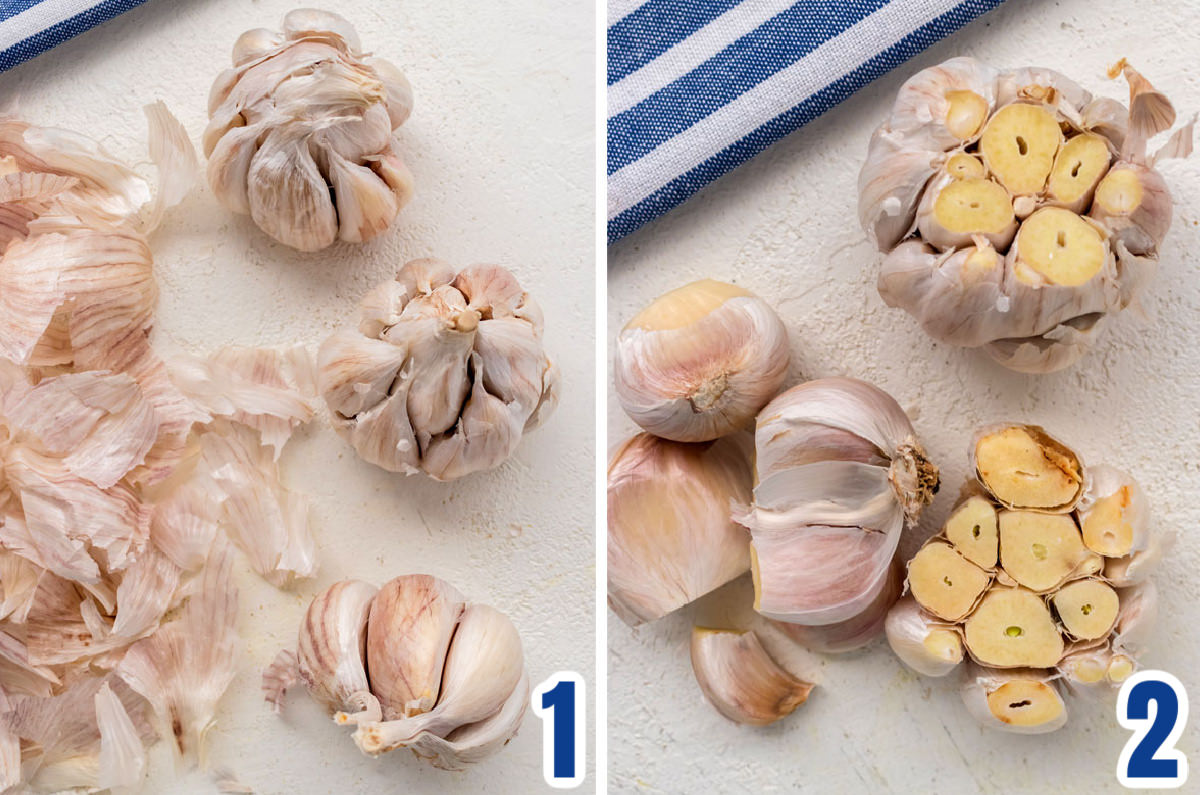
<point x="785" y="226"/>
<point x="501" y="144"/>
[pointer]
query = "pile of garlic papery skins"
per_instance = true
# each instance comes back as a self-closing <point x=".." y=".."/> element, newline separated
<point x="1038" y="578"/>
<point x="445" y="372"/>
<point x="1018" y="213"/>
<point x="119" y="472"/>
<point x="300" y="133"/>
<point x="410" y="665"/>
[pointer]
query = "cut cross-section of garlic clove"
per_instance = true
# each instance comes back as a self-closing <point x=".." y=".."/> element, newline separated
<point x="944" y="582"/>
<point x="1025" y="468"/>
<point x="1057" y="247"/>
<point x="331" y="651"/>
<point x="1013" y="628"/>
<point x="1080" y="165"/>
<point x="1018" y="701"/>
<point x="739" y="678"/>
<point x="956" y="212"/>
<point x="974" y="531"/>
<point x="1019" y="145"/>
<point x="924" y="643"/>
<point x="700" y="361"/>
<point x="1087" y="608"/>
<point x="1113" y="513"/>
<point x="1134" y="202"/>
<point x="670" y="535"/>
<point x="1041" y="550"/>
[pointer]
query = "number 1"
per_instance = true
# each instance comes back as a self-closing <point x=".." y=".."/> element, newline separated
<point x="559" y="702"/>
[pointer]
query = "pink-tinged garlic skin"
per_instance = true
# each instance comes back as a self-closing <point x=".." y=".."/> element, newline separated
<point x="300" y="133"/>
<point x="739" y="678"/>
<point x="856" y="632"/>
<point x="827" y="517"/>
<point x="670" y="536"/>
<point x="333" y="643"/>
<point x="445" y="372"/>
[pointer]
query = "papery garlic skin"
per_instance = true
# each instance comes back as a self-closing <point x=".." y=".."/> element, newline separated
<point x="923" y="642"/>
<point x="739" y="678"/>
<point x="853" y="633"/>
<point x="300" y="133"/>
<point x="670" y="536"/>
<point x="445" y="372"/>
<point x="700" y="361"/>
<point x="332" y="646"/>
<point x="840" y="474"/>
<point x="967" y="168"/>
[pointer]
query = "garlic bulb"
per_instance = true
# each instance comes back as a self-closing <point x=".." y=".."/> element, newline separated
<point x="840" y="474"/>
<point x="1021" y="578"/>
<point x="670" y="537"/>
<point x="411" y="665"/>
<point x="700" y="361"/>
<point x="740" y="679"/>
<point x="300" y="133"/>
<point x="444" y="373"/>
<point x="1016" y="212"/>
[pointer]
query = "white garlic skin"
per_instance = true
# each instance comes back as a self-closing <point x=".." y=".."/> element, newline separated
<point x="300" y="133"/>
<point x="908" y="628"/>
<point x="332" y="645"/>
<point x="700" y="361"/>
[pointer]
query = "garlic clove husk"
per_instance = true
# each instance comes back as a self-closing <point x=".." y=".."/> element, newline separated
<point x="890" y="185"/>
<point x="924" y="643"/>
<point x="332" y="646"/>
<point x="288" y="197"/>
<point x="122" y="753"/>
<point x="412" y="619"/>
<point x="1136" y="618"/>
<point x="740" y="679"/>
<point x="1057" y="349"/>
<point x="700" y="361"/>
<point x="1133" y="569"/>
<point x="144" y="595"/>
<point x="853" y="633"/>
<point x="476" y="741"/>
<point x="1114" y="514"/>
<point x="1134" y="202"/>
<point x="947" y="104"/>
<point x="279" y="677"/>
<point x="670" y="536"/>
<point x="1021" y="701"/>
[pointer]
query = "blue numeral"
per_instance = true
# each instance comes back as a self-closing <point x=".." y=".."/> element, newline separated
<point x="559" y="701"/>
<point x="1150" y="759"/>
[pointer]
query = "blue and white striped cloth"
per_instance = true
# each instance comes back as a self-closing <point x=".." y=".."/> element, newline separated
<point x="697" y="87"/>
<point x="30" y="27"/>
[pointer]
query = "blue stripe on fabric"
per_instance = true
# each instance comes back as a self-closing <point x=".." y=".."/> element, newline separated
<point x="67" y="29"/>
<point x="776" y="44"/>
<point x="654" y="28"/>
<point x="10" y="8"/>
<point x="683" y="186"/>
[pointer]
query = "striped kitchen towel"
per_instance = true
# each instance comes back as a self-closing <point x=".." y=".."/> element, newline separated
<point x="697" y="87"/>
<point x="30" y="27"/>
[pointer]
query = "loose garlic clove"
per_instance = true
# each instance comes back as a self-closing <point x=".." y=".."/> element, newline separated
<point x="1113" y="513"/>
<point x="1025" y="468"/>
<point x="944" y="582"/>
<point x="411" y="622"/>
<point x="974" y="531"/>
<point x="1087" y="608"/>
<point x="853" y="633"/>
<point x="700" y="361"/>
<point x="955" y="212"/>
<point x="1017" y="701"/>
<point x="333" y="644"/>
<point x="1040" y="551"/>
<point x="740" y="679"/>
<point x="921" y="641"/>
<point x="670" y="536"/>
<point x="1013" y="628"/>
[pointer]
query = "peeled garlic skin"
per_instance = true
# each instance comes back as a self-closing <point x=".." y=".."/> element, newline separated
<point x="332" y="645"/>
<point x="300" y="133"/>
<point x="670" y="536"/>
<point x="740" y="679"/>
<point x="908" y="627"/>
<point x="703" y="372"/>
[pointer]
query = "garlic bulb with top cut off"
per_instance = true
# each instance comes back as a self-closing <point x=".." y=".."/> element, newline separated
<point x="700" y="361"/>
<point x="840" y="474"/>
<point x="1017" y="213"/>
<point x="300" y="133"/>
<point x="444" y="373"/>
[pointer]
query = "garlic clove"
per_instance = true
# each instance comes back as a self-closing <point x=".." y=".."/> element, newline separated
<point x="670" y="536"/>
<point x="254" y="44"/>
<point x="700" y="361"/>
<point x="1040" y="550"/>
<point x="302" y="22"/>
<point x="332" y="646"/>
<point x="974" y="531"/>
<point x="1019" y="145"/>
<point x="921" y="641"/>
<point x="740" y="679"/>
<point x="944" y="582"/>
<point x="412" y="618"/>
<point x="476" y="741"/>
<point x="365" y="204"/>
<point x="1087" y="608"/>
<point x="954" y="212"/>
<point x="1133" y="200"/>
<point x="1017" y="701"/>
<point x="288" y="197"/>
<point x="1013" y="628"/>
<point x="399" y="90"/>
<point x="1114" y="513"/>
<point x="890" y="185"/>
<point x="856" y="632"/>
<point x="1025" y="468"/>
<point x="947" y="103"/>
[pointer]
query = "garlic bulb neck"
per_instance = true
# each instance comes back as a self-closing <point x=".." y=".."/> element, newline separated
<point x="914" y="478"/>
<point x="709" y="394"/>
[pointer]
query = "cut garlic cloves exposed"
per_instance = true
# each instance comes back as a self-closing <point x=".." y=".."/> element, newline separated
<point x="1017" y="701"/>
<point x="1027" y="469"/>
<point x="921" y="641"/>
<point x="740" y="679"/>
<point x="700" y="361"/>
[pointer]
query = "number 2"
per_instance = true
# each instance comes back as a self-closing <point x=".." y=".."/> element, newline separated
<point x="559" y="702"/>
<point x="1150" y="760"/>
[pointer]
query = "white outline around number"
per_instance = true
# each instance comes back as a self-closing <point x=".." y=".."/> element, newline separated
<point x="547" y="718"/>
<point x="1140" y="727"/>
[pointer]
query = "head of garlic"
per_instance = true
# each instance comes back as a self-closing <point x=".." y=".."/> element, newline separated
<point x="300" y="133"/>
<point x="445" y="372"/>
<point x="412" y="665"/>
<point x="700" y="361"/>
<point x="1017" y="213"/>
<point x="840" y="474"/>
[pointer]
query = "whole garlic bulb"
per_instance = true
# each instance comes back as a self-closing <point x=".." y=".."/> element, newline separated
<point x="413" y="665"/>
<point x="700" y="361"/>
<point x="840" y="473"/>
<point x="1016" y="212"/>
<point x="300" y="133"/>
<point x="444" y="373"/>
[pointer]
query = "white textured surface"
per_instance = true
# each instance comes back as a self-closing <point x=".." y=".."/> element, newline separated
<point x="501" y="145"/>
<point x="785" y="226"/>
